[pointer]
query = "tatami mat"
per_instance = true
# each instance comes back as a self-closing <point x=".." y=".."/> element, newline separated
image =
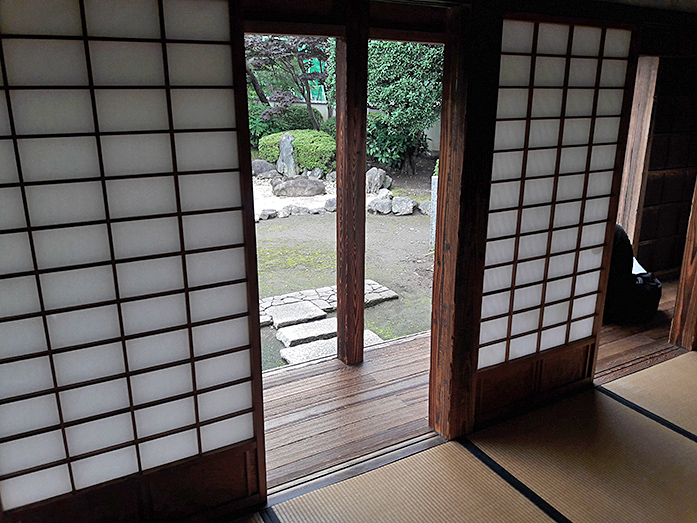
<point x="596" y="460"/>
<point x="667" y="390"/>
<point x="443" y="484"/>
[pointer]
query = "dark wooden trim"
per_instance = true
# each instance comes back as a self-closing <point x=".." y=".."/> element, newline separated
<point x="472" y="47"/>
<point x="351" y="101"/>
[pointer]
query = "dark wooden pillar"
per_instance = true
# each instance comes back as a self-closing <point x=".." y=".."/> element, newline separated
<point x="351" y="102"/>
<point x="472" y="46"/>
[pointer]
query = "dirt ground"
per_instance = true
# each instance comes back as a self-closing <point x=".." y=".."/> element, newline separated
<point x="299" y="252"/>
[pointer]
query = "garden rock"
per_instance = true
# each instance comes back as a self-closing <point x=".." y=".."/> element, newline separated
<point x="374" y="180"/>
<point x="275" y="181"/>
<point x="388" y="182"/>
<point x="300" y="186"/>
<point x="315" y="173"/>
<point x="401" y="205"/>
<point x="318" y="210"/>
<point x="262" y="166"/>
<point x="267" y="214"/>
<point x="330" y="205"/>
<point x="331" y="177"/>
<point x="299" y="211"/>
<point x="286" y="163"/>
<point x="380" y="206"/>
<point x="385" y="194"/>
<point x="285" y="212"/>
<point x="425" y="207"/>
<point x="269" y="175"/>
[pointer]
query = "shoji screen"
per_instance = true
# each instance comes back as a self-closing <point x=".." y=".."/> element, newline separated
<point x="556" y="155"/>
<point x="124" y="284"/>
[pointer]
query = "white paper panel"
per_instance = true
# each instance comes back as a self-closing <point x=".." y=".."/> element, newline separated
<point x="22" y="337"/>
<point x="212" y="230"/>
<point x="131" y="109"/>
<point x="498" y="278"/>
<point x="156" y="350"/>
<point x="596" y="209"/>
<point x="23" y="377"/>
<point x="507" y="165"/>
<point x="96" y="399"/>
<point x="579" y="102"/>
<point x="15" y="253"/>
<point x="146" y="237"/>
<point x="203" y="108"/>
<point x="491" y="355"/>
<point x="166" y="450"/>
<point x="509" y="135"/>
<point x="223" y="401"/>
<point x="83" y="326"/>
<point x="150" y="276"/>
<point x="606" y="130"/>
<point x="610" y="102"/>
<point x="590" y="259"/>
<point x="544" y="133"/>
<point x="549" y="72"/>
<point x="124" y="19"/>
<point x="167" y="416"/>
<point x="617" y="43"/>
<point x="501" y="251"/>
<point x="570" y="187"/>
<point x="515" y="71"/>
<point x="567" y="214"/>
<point x="37" y="486"/>
<point x="199" y="64"/>
<point x="4" y="120"/>
<point x="154" y="313"/>
<point x="504" y="195"/>
<point x="127" y="63"/>
<point x="210" y="150"/>
<point x="581" y="329"/>
<point x="517" y="36"/>
<point x="105" y="467"/>
<point x="220" y="336"/>
<point x="523" y="346"/>
<point x="512" y="103"/>
<point x="530" y="272"/>
<point x="553" y="338"/>
<point x="210" y="191"/>
<point x="535" y="219"/>
<point x="538" y="191"/>
<point x="587" y="283"/>
<point x="23" y="416"/>
<point x="45" y="62"/>
<point x="561" y="265"/>
<point x="219" y="301"/>
<point x="495" y="304"/>
<point x="555" y="314"/>
<point x="12" y="216"/>
<point x="8" y="162"/>
<point x="502" y="224"/>
<point x="552" y="38"/>
<point x="223" y="369"/>
<point x="583" y="72"/>
<point x="586" y="41"/>
<point x="138" y="154"/>
<point x="161" y="384"/>
<point x="46" y="112"/>
<point x="533" y="246"/>
<point x="564" y="240"/>
<point x="614" y="73"/>
<point x="593" y="235"/>
<point x="541" y="162"/>
<point x="99" y="434"/>
<point x="30" y="452"/>
<point x="600" y="184"/>
<point x="210" y="267"/>
<point x="195" y="20"/>
<point x="141" y="197"/>
<point x="58" y="17"/>
<point x="493" y="330"/>
<point x="59" y="158"/>
<point x="527" y="297"/>
<point x="577" y="131"/>
<point x="525" y="322"/>
<point x="18" y="296"/>
<point x="85" y="364"/>
<point x="547" y="103"/>
<point x="69" y="203"/>
<point x="603" y="157"/>
<point x="573" y="160"/>
<point x="227" y="432"/>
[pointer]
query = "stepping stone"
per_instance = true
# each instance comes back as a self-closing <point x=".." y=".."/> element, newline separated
<point x="321" y="349"/>
<point x="264" y="320"/>
<point x="294" y="313"/>
<point x="307" y="332"/>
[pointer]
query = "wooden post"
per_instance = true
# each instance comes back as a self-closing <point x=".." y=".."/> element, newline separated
<point x="351" y="103"/>
<point x="472" y="46"/>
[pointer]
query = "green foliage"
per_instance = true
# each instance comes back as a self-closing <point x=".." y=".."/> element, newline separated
<point x="310" y="149"/>
<point x="435" y="169"/>
<point x="389" y="142"/>
<point x="295" y="117"/>
<point x="329" y="126"/>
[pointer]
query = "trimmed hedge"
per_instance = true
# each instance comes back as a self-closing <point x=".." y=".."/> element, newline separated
<point x="295" y="117"/>
<point x="329" y="126"/>
<point x="310" y="149"/>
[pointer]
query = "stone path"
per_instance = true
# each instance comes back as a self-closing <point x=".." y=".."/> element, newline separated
<point x="321" y="348"/>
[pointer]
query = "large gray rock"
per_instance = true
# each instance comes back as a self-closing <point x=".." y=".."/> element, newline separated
<point x="299" y="211"/>
<point x="307" y="332"/>
<point x="388" y="182"/>
<point x="330" y="205"/>
<point x="286" y="163"/>
<point x="425" y="207"/>
<point x="261" y="166"/>
<point x="295" y="313"/>
<point x="267" y="214"/>
<point x="331" y="177"/>
<point x="380" y="206"/>
<point x="401" y="205"/>
<point x="285" y="212"/>
<point x="299" y="187"/>
<point x="269" y="175"/>
<point x="385" y="194"/>
<point x="315" y="173"/>
<point x="374" y="180"/>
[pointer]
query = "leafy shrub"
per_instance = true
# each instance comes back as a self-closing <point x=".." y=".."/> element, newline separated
<point x="295" y="117"/>
<point x="390" y="142"/>
<point x="310" y="149"/>
<point x="329" y="126"/>
<point x="435" y="169"/>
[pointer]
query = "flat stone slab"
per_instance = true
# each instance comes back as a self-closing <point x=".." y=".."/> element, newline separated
<point x="264" y="320"/>
<point x="295" y="313"/>
<point x="321" y="349"/>
<point x="307" y="332"/>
